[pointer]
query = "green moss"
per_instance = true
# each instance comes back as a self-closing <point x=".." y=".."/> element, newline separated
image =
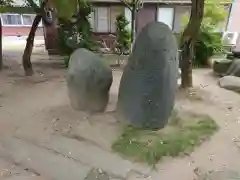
<point x="178" y="137"/>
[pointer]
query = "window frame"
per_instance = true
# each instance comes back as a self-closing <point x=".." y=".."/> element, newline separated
<point x="27" y="15"/>
<point x="96" y="18"/>
<point x="40" y="24"/>
<point x="22" y="22"/>
<point x="173" y="14"/>
<point x="11" y="25"/>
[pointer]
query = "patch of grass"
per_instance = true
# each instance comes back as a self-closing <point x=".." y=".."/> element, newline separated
<point x="180" y="136"/>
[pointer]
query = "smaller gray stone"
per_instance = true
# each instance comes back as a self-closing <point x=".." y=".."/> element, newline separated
<point x="230" y="83"/>
<point x="221" y="66"/>
<point x="234" y="69"/>
<point x="89" y="80"/>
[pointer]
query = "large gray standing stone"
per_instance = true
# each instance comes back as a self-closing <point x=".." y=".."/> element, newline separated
<point x="89" y="80"/>
<point x="149" y="81"/>
<point x="230" y="83"/>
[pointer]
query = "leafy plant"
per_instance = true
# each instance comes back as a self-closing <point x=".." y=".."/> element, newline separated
<point x="123" y="35"/>
<point x="207" y="45"/>
<point x="209" y="41"/>
<point x="66" y="8"/>
<point x="76" y="32"/>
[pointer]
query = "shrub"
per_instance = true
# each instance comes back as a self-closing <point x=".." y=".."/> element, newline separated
<point x="74" y="35"/>
<point x="207" y="45"/>
<point x="123" y="35"/>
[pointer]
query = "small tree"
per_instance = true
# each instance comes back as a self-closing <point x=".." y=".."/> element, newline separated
<point x="133" y="6"/>
<point x="65" y="9"/>
<point x="4" y="5"/>
<point x="77" y="32"/>
<point x="26" y="58"/>
<point x="123" y="35"/>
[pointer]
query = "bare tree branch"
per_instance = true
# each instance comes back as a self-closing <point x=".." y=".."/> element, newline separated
<point x="126" y="4"/>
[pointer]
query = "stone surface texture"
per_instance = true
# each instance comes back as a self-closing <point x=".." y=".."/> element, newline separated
<point x="149" y="81"/>
<point x="89" y="80"/>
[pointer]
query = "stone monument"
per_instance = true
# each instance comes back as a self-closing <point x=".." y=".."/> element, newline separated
<point x="149" y="81"/>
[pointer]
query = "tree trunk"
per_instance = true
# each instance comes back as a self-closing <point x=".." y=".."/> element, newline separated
<point x="26" y="59"/>
<point x="188" y="42"/>
<point x="1" y="54"/>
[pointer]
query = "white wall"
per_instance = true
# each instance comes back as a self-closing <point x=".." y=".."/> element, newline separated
<point x="234" y="22"/>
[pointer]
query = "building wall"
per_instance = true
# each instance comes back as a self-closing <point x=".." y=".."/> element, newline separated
<point x="20" y="31"/>
<point x="234" y="23"/>
<point x="145" y="16"/>
<point x="104" y="16"/>
<point x="169" y="14"/>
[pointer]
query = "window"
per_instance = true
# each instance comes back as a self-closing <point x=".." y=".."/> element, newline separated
<point x="165" y="15"/>
<point x="102" y="18"/>
<point x="11" y="19"/>
<point x="18" y="19"/>
<point x="28" y="19"/>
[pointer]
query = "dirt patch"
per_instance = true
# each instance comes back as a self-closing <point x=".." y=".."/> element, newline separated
<point x="39" y="106"/>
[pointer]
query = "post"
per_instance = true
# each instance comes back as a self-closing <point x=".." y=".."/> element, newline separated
<point x="133" y="25"/>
